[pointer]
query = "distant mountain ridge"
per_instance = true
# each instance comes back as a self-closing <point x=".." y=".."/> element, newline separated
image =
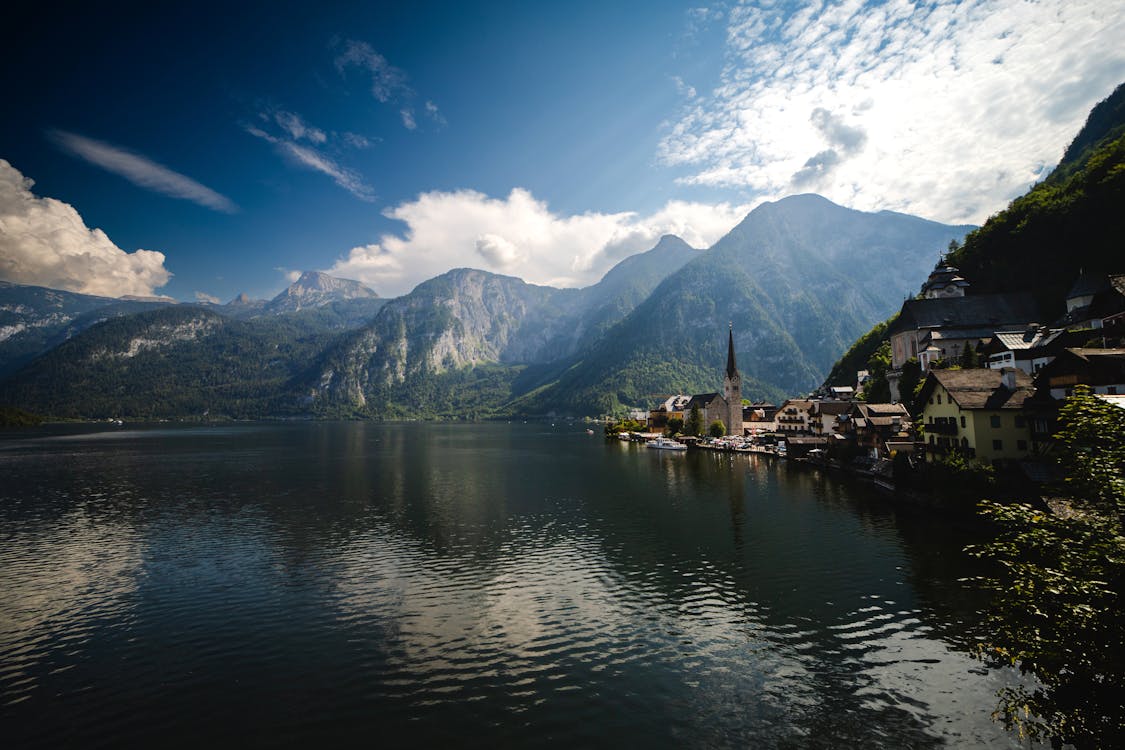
<point x="315" y="289"/>
<point x="467" y="318"/>
<point x="34" y="320"/>
<point x="798" y="278"/>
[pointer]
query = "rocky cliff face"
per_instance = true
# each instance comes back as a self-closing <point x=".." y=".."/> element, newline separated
<point x="35" y="319"/>
<point x="460" y="319"/>
<point x="315" y="289"/>
<point x="468" y="317"/>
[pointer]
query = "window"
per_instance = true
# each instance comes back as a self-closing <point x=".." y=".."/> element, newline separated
<point x="1020" y="422"/>
<point x="939" y="399"/>
<point x="1021" y="445"/>
<point x="964" y="442"/>
<point x="997" y="445"/>
<point x="962" y="421"/>
<point x="931" y="439"/>
<point x="994" y="420"/>
<point x="1111" y="390"/>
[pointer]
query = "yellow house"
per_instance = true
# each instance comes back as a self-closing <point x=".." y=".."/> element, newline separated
<point x="978" y="412"/>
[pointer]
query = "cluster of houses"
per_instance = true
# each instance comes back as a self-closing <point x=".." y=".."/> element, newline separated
<point x="999" y="404"/>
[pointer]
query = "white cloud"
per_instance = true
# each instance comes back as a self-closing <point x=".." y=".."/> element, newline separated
<point x="142" y="171"/>
<point x="388" y="84"/>
<point x="355" y="140"/>
<point x="435" y="114"/>
<point x="311" y="158"/>
<point x="298" y="129"/>
<point x="387" y="81"/>
<point x="520" y="236"/>
<point x="683" y="89"/>
<point x="943" y="109"/>
<point x="205" y="297"/>
<point x="45" y="242"/>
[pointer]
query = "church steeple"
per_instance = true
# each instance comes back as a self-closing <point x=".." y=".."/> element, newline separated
<point x="732" y="367"/>
<point x="732" y="389"/>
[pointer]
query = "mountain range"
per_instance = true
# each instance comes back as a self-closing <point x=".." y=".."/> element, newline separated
<point x="798" y="279"/>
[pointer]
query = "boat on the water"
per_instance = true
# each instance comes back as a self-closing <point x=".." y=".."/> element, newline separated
<point x="666" y="444"/>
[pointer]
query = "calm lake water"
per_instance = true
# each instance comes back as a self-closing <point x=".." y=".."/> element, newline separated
<point x="475" y="585"/>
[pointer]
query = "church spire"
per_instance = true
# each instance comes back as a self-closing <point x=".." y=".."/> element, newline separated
<point x="732" y="368"/>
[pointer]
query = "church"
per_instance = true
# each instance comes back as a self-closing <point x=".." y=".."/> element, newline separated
<point x="725" y="407"/>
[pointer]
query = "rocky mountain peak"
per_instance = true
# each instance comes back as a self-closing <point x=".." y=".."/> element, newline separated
<point x="315" y="289"/>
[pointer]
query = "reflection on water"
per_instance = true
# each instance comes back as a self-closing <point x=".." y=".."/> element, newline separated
<point x="481" y="584"/>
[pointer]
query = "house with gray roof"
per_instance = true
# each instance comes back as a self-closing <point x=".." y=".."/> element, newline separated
<point x="979" y="412"/>
<point x="941" y="328"/>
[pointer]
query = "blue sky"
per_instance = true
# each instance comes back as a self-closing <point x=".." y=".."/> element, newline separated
<point x="204" y="150"/>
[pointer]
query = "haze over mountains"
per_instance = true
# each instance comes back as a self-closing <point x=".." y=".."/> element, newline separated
<point x="799" y="279"/>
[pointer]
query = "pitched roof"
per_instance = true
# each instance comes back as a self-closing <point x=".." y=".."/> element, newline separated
<point x="981" y="389"/>
<point x="831" y="407"/>
<point x="1028" y="338"/>
<point x="971" y="311"/>
<point x="1090" y="366"/>
<point x="1088" y="284"/>
<point x="800" y="404"/>
<point x="873" y="411"/>
<point x="702" y="400"/>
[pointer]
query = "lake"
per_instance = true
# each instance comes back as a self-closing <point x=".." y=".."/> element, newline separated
<point x="468" y="584"/>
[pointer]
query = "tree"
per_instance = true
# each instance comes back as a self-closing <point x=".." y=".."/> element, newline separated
<point x="910" y="383"/>
<point x="969" y="359"/>
<point x="717" y="429"/>
<point x="674" y="426"/>
<point x="694" y="424"/>
<point x="877" y="390"/>
<point x="1059" y="586"/>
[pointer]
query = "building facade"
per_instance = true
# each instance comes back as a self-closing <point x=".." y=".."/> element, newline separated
<point x="978" y="412"/>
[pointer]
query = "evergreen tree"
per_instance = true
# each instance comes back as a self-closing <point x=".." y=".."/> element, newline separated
<point x="694" y="424"/>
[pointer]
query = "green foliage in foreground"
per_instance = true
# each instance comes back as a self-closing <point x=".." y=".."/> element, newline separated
<point x="717" y="429"/>
<point x="1058" y="589"/>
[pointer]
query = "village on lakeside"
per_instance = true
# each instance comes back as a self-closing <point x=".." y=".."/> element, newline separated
<point x="976" y="380"/>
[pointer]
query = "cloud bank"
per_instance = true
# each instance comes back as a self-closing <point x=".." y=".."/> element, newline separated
<point x="520" y="236"/>
<point x="44" y="242"/>
<point x="141" y="171"/>
<point x="944" y="109"/>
